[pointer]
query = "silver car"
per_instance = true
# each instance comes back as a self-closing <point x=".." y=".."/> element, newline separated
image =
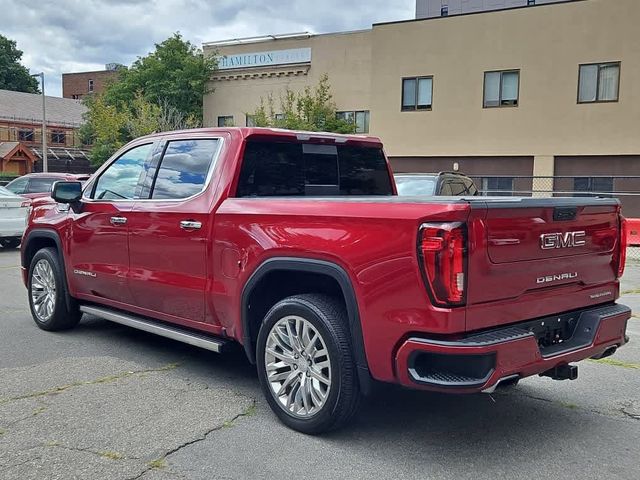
<point x="13" y="218"/>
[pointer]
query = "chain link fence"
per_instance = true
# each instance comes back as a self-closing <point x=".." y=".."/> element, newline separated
<point x="624" y="188"/>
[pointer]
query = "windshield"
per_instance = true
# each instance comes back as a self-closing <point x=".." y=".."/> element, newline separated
<point x="418" y="185"/>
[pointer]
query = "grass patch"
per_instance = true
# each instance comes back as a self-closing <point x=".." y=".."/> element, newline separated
<point x="2" y="432"/>
<point x="570" y="406"/>
<point x="158" y="464"/>
<point x="635" y="291"/>
<point x="38" y="411"/>
<point x="52" y="443"/>
<point x="617" y="363"/>
<point x="251" y="411"/>
<point x="111" y="455"/>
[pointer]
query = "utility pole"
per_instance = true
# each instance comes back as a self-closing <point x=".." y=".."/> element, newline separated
<point x="45" y="166"/>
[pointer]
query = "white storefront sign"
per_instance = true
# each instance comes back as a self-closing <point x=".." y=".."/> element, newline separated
<point x="264" y="59"/>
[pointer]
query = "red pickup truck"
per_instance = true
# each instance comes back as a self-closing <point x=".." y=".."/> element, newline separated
<point x="296" y="246"/>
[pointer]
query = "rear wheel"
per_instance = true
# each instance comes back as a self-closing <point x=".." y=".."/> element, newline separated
<point x="50" y="306"/>
<point x="10" y="242"/>
<point x="305" y="363"/>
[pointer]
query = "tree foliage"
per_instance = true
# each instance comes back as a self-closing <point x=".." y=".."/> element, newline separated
<point x="162" y="91"/>
<point x="312" y="109"/>
<point x="13" y="75"/>
<point x="177" y="73"/>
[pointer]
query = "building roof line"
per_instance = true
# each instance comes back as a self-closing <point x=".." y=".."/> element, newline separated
<point x="283" y="36"/>
<point x="480" y="12"/>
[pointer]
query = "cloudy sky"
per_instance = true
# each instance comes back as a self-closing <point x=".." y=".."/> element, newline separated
<point x="59" y="36"/>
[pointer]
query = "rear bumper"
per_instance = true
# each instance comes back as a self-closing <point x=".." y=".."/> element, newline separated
<point x="479" y="361"/>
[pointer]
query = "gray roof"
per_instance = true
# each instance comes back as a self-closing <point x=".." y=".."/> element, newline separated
<point x="27" y="107"/>
<point x="6" y="147"/>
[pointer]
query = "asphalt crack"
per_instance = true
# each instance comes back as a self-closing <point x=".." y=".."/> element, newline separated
<point x="97" y="381"/>
<point x="161" y="462"/>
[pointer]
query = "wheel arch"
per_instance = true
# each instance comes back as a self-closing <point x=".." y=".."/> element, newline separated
<point x="38" y="239"/>
<point x="302" y="271"/>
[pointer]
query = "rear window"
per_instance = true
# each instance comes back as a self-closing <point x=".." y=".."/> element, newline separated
<point x="302" y="169"/>
<point x="41" y="185"/>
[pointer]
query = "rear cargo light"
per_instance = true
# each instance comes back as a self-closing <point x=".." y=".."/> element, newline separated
<point x="622" y="256"/>
<point x="442" y="248"/>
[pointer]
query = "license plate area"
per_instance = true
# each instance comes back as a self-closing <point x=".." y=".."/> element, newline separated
<point x="553" y="331"/>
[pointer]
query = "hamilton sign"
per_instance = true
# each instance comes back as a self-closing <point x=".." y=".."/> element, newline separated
<point x="265" y="59"/>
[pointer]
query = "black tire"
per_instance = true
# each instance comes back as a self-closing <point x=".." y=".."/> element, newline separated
<point x="329" y="319"/>
<point x="10" y="242"/>
<point x="65" y="313"/>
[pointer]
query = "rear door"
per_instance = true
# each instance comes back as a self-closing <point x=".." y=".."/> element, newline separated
<point x="534" y="257"/>
<point x="169" y="229"/>
<point x="98" y="244"/>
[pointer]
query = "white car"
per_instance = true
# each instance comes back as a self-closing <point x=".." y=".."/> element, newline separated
<point x="13" y="218"/>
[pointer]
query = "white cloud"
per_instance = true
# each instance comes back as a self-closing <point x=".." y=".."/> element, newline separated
<point x="59" y="36"/>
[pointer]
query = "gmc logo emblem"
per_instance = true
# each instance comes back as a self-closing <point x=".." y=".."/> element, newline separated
<point x="549" y="241"/>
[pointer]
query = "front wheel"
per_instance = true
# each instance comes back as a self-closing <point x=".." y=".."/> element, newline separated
<point x="50" y="307"/>
<point x="305" y="363"/>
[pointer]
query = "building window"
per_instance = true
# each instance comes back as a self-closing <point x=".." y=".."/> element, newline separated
<point x="417" y="93"/>
<point x="599" y="82"/>
<point x="279" y="117"/>
<point x="58" y="137"/>
<point x="359" y="118"/>
<point x="501" y="89"/>
<point x="531" y="3"/>
<point x="75" y="96"/>
<point x="25" y="135"/>
<point x="250" y="120"/>
<point x="225" y="121"/>
<point x="497" y="186"/>
<point x="90" y="85"/>
<point x="592" y="186"/>
<point x="444" y="11"/>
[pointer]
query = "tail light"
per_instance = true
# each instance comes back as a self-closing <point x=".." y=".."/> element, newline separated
<point x="442" y="248"/>
<point x="622" y="256"/>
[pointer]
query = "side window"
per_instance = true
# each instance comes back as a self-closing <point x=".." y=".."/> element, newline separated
<point x="471" y="187"/>
<point x="18" y="185"/>
<point x="40" y="185"/>
<point x="445" y="188"/>
<point x="184" y="168"/>
<point x="458" y="187"/>
<point x="120" y="179"/>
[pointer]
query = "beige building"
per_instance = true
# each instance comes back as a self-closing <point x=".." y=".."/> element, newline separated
<point x="548" y="91"/>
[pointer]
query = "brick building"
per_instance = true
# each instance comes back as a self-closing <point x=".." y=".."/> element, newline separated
<point x="21" y="134"/>
<point x="77" y="85"/>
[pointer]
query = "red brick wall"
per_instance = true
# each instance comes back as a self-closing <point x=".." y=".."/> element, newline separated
<point x="78" y="83"/>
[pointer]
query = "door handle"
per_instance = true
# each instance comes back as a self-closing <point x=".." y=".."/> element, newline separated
<point x="118" y="220"/>
<point x="190" y="225"/>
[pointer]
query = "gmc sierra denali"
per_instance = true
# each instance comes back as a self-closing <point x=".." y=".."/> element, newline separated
<point x="296" y="246"/>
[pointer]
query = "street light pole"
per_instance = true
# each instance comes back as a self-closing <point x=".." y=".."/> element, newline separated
<point x="45" y="165"/>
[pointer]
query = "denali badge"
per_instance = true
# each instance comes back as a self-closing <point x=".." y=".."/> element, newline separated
<point x="85" y="273"/>
<point x="549" y="241"/>
<point x="557" y="278"/>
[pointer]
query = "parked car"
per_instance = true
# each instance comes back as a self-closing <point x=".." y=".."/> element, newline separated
<point x="35" y="185"/>
<point x="443" y="183"/>
<point x="13" y="218"/>
<point x="294" y="245"/>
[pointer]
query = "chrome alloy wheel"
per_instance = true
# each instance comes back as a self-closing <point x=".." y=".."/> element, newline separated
<point x="43" y="290"/>
<point x="298" y="366"/>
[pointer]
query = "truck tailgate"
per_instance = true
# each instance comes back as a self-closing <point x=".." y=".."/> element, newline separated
<point x="535" y="257"/>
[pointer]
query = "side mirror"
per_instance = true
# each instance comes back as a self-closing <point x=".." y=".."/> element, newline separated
<point x="67" y="192"/>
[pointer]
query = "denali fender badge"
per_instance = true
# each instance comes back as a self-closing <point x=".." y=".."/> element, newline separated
<point x="549" y="241"/>
<point x="557" y="278"/>
<point x="85" y="273"/>
<point x="600" y="295"/>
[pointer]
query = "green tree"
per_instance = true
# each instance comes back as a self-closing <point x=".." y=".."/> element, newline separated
<point x="177" y="73"/>
<point x="313" y="109"/>
<point x="13" y="75"/>
<point x="162" y="91"/>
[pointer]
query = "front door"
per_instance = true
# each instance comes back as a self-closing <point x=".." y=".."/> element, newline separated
<point x="98" y="247"/>
<point x="168" y="233"/>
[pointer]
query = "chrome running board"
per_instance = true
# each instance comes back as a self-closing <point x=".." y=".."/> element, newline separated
<point x="175" y="333"/>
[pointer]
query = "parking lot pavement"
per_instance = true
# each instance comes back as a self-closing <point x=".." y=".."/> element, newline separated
<point x="105" y="401"/>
